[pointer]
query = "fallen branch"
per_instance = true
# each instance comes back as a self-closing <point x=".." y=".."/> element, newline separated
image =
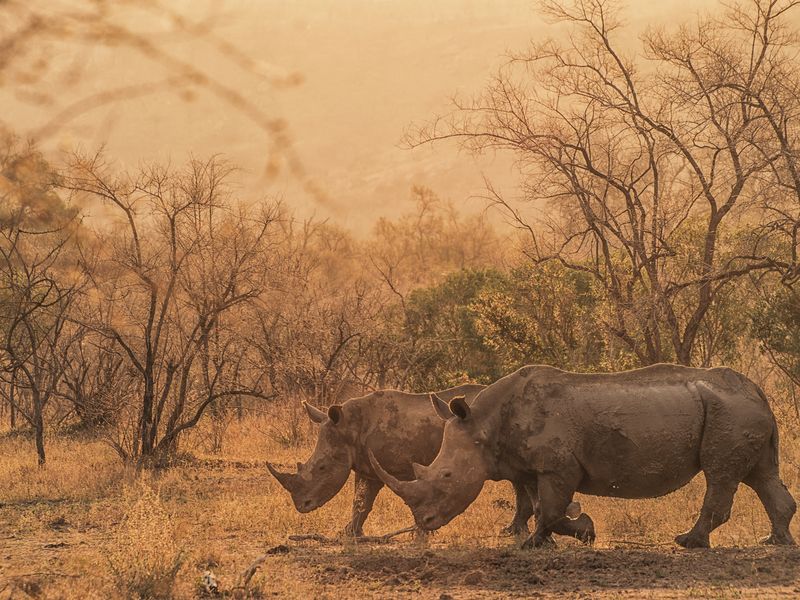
<point x="367" y="539"/>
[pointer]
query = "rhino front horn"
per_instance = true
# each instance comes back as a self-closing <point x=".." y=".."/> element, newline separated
<point x="285" y="479"/>
<point x="394" y="484"/>
<point x="315" y="414"/>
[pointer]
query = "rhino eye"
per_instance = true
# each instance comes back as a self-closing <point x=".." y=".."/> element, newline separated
<point x="446" y="474"/>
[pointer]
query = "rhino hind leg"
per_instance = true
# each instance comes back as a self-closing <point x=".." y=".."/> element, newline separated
<point x="777" y="501"/>
<point x="366" y="490"/>
<point x="716" y="510"/>
<point x="736" y="439"/>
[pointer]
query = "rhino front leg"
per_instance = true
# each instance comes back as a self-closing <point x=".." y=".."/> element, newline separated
<point x="555" y="494"/>
<point x="524" y="511"/>
<point x="366" y="490"/>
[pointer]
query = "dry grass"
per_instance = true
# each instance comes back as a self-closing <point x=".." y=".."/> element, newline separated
<point x="84" y="527"/>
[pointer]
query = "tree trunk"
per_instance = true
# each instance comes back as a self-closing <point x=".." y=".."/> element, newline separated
<point x="38" y="425"/>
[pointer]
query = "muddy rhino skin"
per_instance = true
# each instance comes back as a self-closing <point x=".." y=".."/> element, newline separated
<point x="397" y="427"/>
<point x="634" y="434"/>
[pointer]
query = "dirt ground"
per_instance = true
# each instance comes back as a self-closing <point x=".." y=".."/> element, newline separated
<point x="60" y="538"/>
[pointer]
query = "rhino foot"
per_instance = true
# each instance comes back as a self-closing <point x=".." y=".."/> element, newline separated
<point x="534" y="541"/>
<point x="515" y="529"/>
<point x="350" y="531"/>
<point x="779" y="539"/>
<point x="584" y="527"/>
<point x="692" y="540"/>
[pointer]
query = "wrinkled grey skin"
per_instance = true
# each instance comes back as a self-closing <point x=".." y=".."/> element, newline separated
<point x="399" y="428"/>
<point x="635" y="434"/>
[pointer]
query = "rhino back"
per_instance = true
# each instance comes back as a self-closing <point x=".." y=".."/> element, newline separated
<point x="399" y="428"/>
<point x="636" y="433"/>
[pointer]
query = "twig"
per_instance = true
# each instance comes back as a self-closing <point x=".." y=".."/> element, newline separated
<point x="643" y="544"/>
<point x="379" y="539"/>
<point x="251" y="570"/>
<point x="314" y="537"/>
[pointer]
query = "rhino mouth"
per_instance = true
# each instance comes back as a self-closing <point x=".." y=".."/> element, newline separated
<point x="307" y="506"/>
<point x="432" y="521"/>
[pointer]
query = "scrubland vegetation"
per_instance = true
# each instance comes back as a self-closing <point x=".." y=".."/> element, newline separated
<point x="158" y="331"/>
<point x="84" y="526"/>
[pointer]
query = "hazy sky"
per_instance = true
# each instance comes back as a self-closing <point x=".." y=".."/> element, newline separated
<point x="369" y="68"/>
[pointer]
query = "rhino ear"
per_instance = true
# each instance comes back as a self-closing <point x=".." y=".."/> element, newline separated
<point x="459" y="407"/>
<point x="314" y="413"/>
<point x="441" y="407"/>
<point x="335" y="413"/>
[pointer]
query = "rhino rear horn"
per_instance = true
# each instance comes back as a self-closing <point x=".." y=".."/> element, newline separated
<point x="285" y="479"/>
<point x="441" y="407"/>
<point x="419" y="470"/>
<point x="314" y="413"/>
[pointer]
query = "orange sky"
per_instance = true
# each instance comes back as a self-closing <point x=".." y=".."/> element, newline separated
<point x="369" y="69"/>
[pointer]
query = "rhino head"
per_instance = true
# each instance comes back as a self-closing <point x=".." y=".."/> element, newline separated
<point x="454" y="479"/>
<point x="322" y="476"/>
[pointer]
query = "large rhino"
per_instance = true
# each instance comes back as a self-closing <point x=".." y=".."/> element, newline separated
<point x="635" y="434"/>
<point x="397" y="427"/>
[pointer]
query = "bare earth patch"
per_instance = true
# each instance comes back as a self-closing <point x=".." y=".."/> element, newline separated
<point x="60" y="537"/>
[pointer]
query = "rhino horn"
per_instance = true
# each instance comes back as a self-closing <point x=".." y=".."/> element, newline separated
<point x="285" y="479"/>
<point x="441" y="407"/>
<point x="314" y="413"/>
<point x="398" y="487"/>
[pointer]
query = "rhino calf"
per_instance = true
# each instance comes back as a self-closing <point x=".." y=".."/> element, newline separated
<point x="635" y="434"/>
<point x="399" y="428"/>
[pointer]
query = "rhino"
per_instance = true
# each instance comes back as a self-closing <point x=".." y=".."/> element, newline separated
<point x="397" y="427"/>
<point x="641" y="433"/>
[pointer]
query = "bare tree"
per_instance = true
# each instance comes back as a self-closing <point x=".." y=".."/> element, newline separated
<point x="171" y="291"/>
<point x="645" y="165"/>
<point x="34" y="316"/>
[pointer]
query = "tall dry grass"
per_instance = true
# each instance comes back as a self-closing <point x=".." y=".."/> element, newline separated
<point x="154" y="536"/>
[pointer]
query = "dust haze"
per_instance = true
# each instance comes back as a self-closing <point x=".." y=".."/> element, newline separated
<point x="345" y="79"/>
<point x="393" y="298"/>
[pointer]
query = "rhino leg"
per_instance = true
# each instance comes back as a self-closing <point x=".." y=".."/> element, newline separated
<point x="716" y="510"/>
<point x="777" y="501"/>
<point x="555" y="495"/>
<point x="581" y="528"/>
<point x="524" y="511"/>
<point x="736" y="442"/>
<point x="364" y="496"/>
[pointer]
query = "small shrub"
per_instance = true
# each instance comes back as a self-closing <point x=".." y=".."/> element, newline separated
<point x="144" y="556"/>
